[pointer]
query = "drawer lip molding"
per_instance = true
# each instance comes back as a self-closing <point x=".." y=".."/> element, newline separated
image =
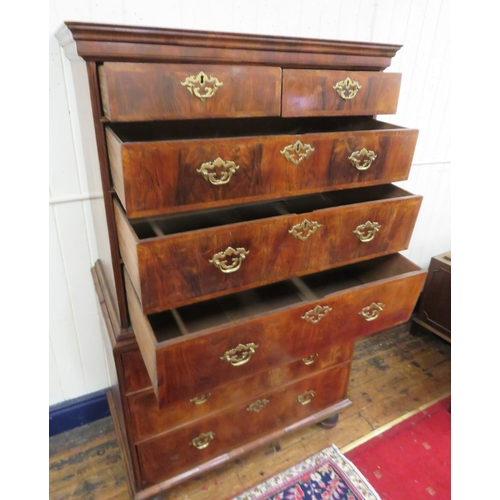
<point x="265" y="242"/>
<point x="261" y="169"/>
<point x="252" y="232"/>
<point x="184" y="359"/>
<point x="329" y="387"/>
<point x="106" y="42"/>
<point x="147" y="419"/>
<point x="136" y="92"/>
<point x="313" y="93"/>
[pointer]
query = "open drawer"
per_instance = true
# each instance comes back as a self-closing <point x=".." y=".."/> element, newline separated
<point x="176" y="260"/>
<point x="161" y="168"/>
<point x="192" y="349"/>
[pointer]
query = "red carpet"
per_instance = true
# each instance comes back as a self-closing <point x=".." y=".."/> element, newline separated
<point x="412" y="460"/>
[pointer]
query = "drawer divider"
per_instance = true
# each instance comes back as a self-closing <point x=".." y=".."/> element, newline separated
<point x="179" y="321"/>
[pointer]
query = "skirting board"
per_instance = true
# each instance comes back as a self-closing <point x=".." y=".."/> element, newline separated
<point x="76" y="412"/>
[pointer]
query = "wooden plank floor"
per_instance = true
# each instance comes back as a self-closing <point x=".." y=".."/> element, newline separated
<point x="393" y="374"/>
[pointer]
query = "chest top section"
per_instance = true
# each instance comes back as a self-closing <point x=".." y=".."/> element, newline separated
<point x="104" y="42"/>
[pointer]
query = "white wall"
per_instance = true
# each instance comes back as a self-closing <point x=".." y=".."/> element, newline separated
<point x="77" y="362"/>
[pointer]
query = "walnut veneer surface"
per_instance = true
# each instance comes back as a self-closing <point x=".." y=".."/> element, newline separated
<point x="253" y="234"/>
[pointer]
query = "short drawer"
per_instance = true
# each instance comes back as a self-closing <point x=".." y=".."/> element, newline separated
<point x="158" y="169"/>
<point x="147" y="419"/>
<point x="150" y="91"/>
<point x="193" y="349"/>
<point x="339" y="93"/>
<point x="179" y="259"/>
<point x="185" y="447"/>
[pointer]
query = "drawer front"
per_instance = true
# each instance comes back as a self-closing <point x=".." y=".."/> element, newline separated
<point x="210" y="173"/>
<point x="339" y="93"/>
<point x="140" y="92"/>
<point x="147" y="419"/>
<point x="195" y="443"/>
<point x="175" y="270"/>
<point x="196" y="363"/>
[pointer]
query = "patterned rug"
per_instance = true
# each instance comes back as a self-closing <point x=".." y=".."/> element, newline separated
<point x="328" y="475"/>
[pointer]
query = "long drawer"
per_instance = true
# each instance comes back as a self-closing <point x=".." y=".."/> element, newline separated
<point x="191" y="350"/>
<point x="167" y="168"/>
<point x="147" y="419"/>
<point x="151" y="91"/>
<point x="204" y="439"/>
<point x="180" y="259"/>
<point x="327" y="93"/>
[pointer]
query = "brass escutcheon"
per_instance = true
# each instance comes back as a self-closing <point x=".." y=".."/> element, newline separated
<point x="240" y="355"/>
<point x="367" y="231"/>
<point x="202" y="441"/>
<point x="202" y="86"/>
<point x="305" y="229"/>
<point x="297" y="152"/>
<point x="219" y="260"/>
<point x="347" y="89"/>
<point x="310" y="359"/>
<point x="371" y="312"/>
<point x="306" y="398"/>
<point x="363" y="159"/>
<point x="199" y="400"/>
<point x="218" y="172"/>
<point x="317" y="314"/>
<point x="258" y="405"/>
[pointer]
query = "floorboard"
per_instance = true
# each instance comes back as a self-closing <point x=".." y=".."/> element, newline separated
<point x="393" y="374"/>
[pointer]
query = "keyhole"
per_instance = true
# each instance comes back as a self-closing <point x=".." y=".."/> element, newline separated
<point x="202" y="80"/>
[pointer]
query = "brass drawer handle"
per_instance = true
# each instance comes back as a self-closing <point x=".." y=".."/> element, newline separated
<point x="305" y="229"/>
<point x="363" y="159"/>
<point x="310" y="359"/>
<point x="347" y="89"/>
<point x="306" y="398"/>
<point x="297" y="152"/>
<point x="219" y="260"/>
<point x="218" y="172"/>
<point x="372" y="311"/>
<point x="317" y="314"/>
<point x="202" y="86"/>
<point x="240" y="355"/>
<point x="367" y="231"/>
<point x="203" y="440"/>
<point x="199" y="400"/>
<point x="258" y="405"/>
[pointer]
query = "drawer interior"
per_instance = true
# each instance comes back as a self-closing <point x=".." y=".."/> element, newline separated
<point x="173" y="224"/>
<point x="194" y="318"/>
<point x="250" y="127"/>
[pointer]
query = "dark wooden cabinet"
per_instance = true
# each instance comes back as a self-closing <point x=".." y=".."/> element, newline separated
<point x="434" y="307"/>
<point x="252" y="232"/>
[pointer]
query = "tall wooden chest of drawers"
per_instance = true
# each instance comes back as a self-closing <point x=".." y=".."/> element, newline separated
<point x="252" y="232"/>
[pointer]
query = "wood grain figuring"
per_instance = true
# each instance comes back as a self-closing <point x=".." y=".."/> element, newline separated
<point x="145" y="92"/>
<point x="311" y="93"/>
<point x="128" y="242"/>
<point x="106" y="182"/>
<point x="378" y="359"/>
<point x="144" y="335"/>
<point x="130" y="43"/>
<point x="192" y="365"/>
<point x="173" y="270"/>
<point x="136" y="377"/>
<point x="238" y="426"/>
<point x="147" y="419"/>
<point x="154" y="178"/>
<point x="116" y="165"/>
